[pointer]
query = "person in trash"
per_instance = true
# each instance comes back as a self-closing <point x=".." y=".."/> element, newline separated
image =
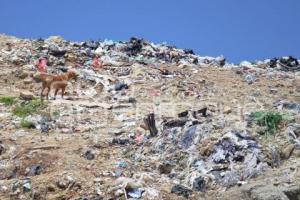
<point x="42" y="65"/>
<point x="97" y="64"/>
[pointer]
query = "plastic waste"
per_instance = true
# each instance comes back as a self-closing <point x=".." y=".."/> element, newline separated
<point x="181" y="190"/>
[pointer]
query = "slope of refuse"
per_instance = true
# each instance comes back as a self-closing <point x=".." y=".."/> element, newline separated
<point x="147" y="121"/>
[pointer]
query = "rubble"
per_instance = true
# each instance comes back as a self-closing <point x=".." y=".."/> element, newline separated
<point x="26" y="96"/>
<point x="145" y="121"/>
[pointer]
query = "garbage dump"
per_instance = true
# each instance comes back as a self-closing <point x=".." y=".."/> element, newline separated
<point x="145" y="121"/>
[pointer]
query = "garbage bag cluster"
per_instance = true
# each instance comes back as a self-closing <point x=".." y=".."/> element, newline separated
<point x="64" y="53"/>
<point x="287" y="63"/>
<point x="189" y="152"/>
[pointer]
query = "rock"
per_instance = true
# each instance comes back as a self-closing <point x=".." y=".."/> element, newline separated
<point x="22" y="74"/>
<point x="292" y="192"/>
<point x="89" y="155"/>
<point x="199" y="184"/>
<point x="120" y="141"/>
<point x="207" y="147"/>
<point x="2" y="148"/>
<point x="151" y="194"/>
<point x="67" y="130"/>
<point x="287" y="151"/>
<point x="28" y="67"/>
<point x="98" y="180"/>
<point x="34" y="170"/>
<point x="3" y="189"/>
<point x="268" y="192"/>
<point x="165" y="168"/>
<point x="250" y="79"/>
<point x="296" y="153"/>
<point x="51" y="188"/>
<point x="227" y="110"/>
<point x="27" y="96"/>
<point x="65" y="181"/>
<point x="181" y="190"/>
<point x="28" y="81"/>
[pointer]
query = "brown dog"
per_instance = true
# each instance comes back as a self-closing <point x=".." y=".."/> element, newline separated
<point x="57" y="82"/>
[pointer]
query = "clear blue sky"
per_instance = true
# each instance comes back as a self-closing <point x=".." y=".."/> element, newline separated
<point x="237" y="29"/>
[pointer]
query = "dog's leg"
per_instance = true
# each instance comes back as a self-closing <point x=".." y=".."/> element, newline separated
<point x="55" y="93"/>
<point x="48" y="92"/>
<point x="63" y="92"/>
<point x="42" y="93"/>
<point x="43" y="88"/>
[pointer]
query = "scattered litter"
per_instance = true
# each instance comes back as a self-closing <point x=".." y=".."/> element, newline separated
<point x="34" y="170"/>
<point x="181" y="191"/>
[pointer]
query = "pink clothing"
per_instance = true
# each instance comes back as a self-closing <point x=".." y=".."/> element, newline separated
<point x="42" y="65"/>
<point x="96" y="63"/>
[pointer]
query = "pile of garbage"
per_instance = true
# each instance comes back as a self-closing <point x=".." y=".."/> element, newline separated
<point x="286" y="63"/>
<point x="60" y="52"/>
<point x="142" y="121"/>
<point x="191" y="152"/>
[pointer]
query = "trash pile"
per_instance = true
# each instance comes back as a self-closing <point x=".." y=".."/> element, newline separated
<point x="64" y="53"/>
<point x="145" y="121"/>
<point x="195" y="155"/>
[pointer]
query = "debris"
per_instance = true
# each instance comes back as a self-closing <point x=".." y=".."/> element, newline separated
<point x="181" y="191"/>
<point x="199" y="184"/>
<point x="287" y="151"/>
<point x="65" y="181"/>
<point x="165" y="168"/>
<point x="89" y="155"/>
<point x="202" y="111"/>
<point x="121" y="86"/>
<point x="122" y="164"/>
<point x="2" y="148"/>
<point x="27" y="96"/>
<point x="250" y="79"/>
<point x="150" y="124"/>
<point x="28" y="81"/>
<point x="175" y="123"/>
<point x="227" y="110"/>
<point x="289" y="105"/>
<point x="27" y="186"/>
<point x="188" y="138"/>
<point x="120" y="141"/>
<point x="34" y="170"/>
<point x="203" y="138"/>
<point x="135" y="193"/>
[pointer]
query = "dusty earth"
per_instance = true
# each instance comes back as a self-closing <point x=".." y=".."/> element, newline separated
<point x="78" y="159"/>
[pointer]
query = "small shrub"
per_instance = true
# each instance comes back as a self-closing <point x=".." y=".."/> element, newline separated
<point x="270" y="120"/>
<point x="8" y="101"/>
<point x="27" y="124"/>
<point x="27" y="108"/>
<point x="56" y="114"/>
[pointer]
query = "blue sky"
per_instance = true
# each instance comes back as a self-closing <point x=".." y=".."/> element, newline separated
<point x="237" y="29"/>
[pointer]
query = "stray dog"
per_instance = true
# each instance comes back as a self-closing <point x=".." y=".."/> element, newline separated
<point x="57" y="82"/>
